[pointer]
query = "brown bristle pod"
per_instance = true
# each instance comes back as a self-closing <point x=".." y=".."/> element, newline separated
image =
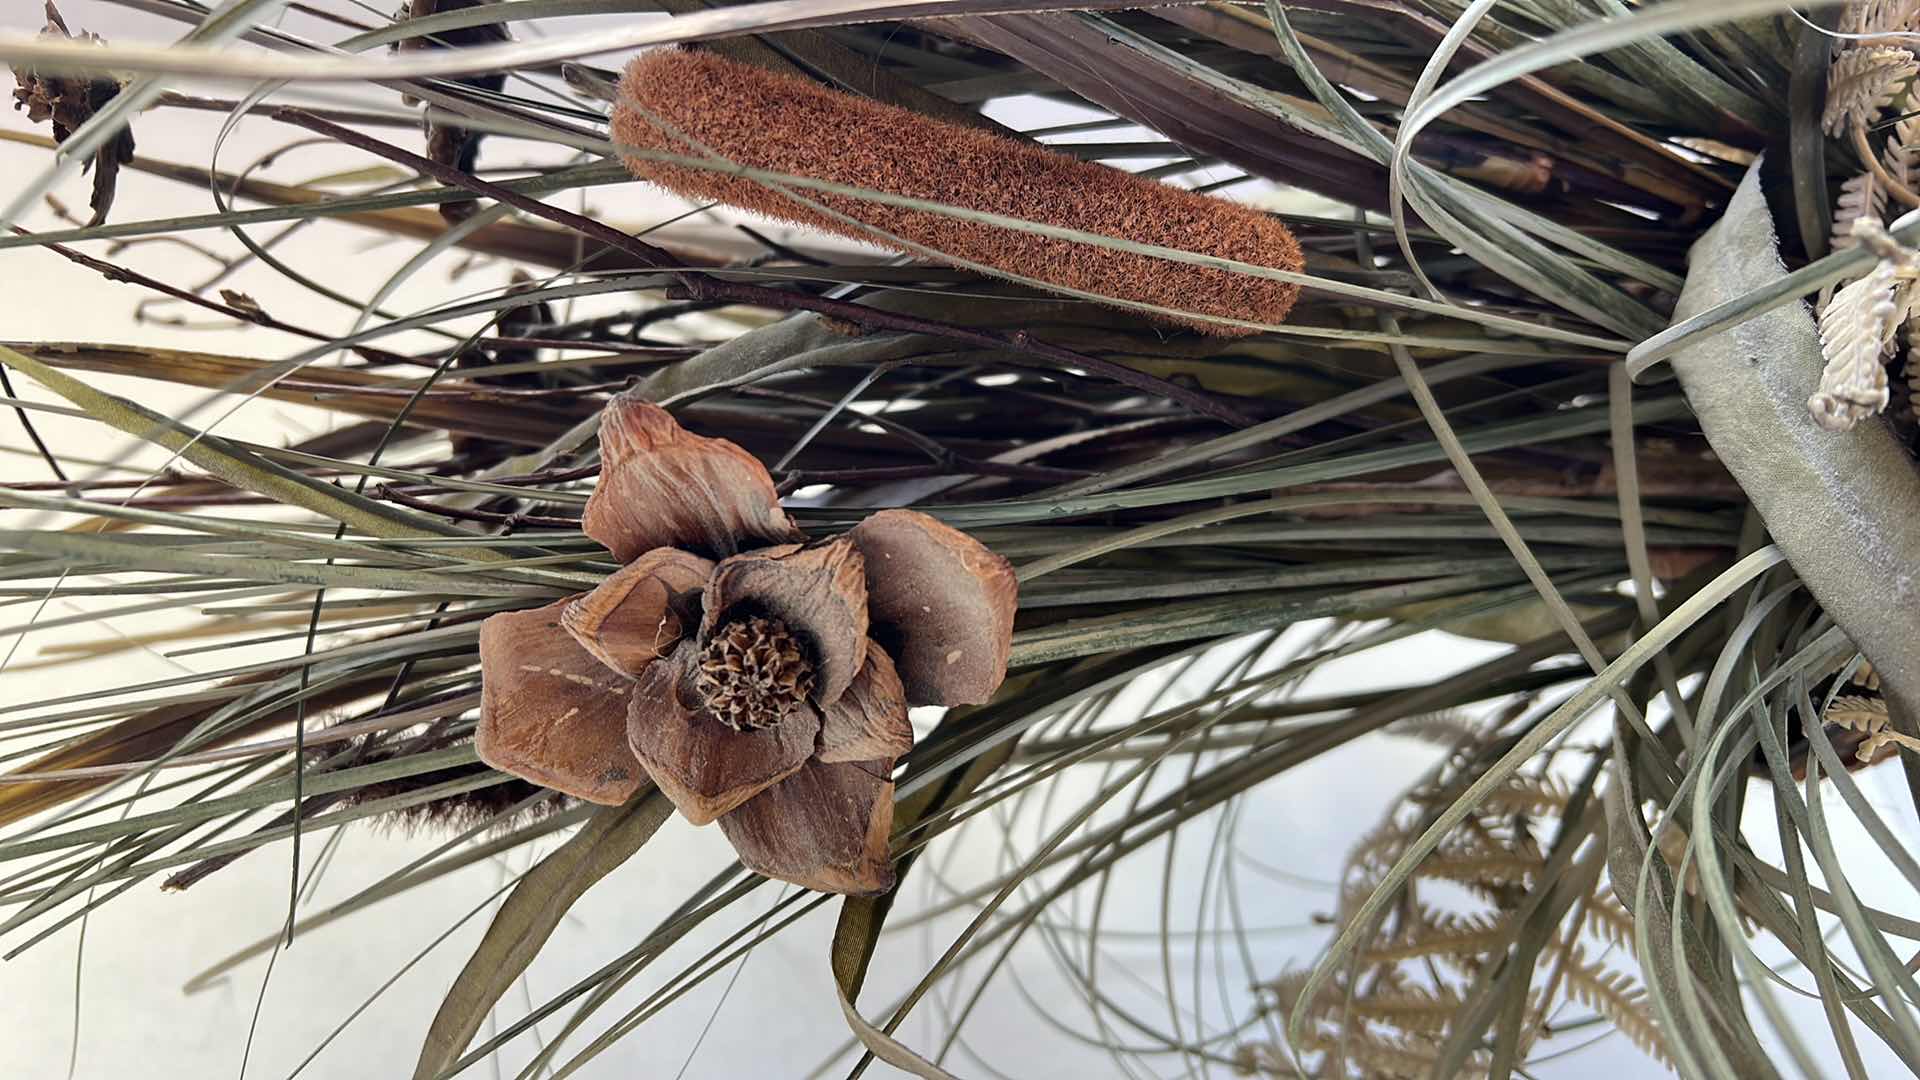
<point x="676" y="101"/>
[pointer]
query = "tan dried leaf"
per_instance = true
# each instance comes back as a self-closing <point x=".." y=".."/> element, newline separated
<point x="1620" y="998"/>
<point x="1857" y="330"/>
<point x="942" y="603"/>
<point x="1861" y="197"/>
<point x="629" y="620"/>
<point x="1862" y="82"/>
<point x="1879" y="16"/>
<point x="549" y="712"/>
<point x="67" y="102"/>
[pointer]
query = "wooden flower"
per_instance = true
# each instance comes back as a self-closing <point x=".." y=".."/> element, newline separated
<point x="739" y="666"/>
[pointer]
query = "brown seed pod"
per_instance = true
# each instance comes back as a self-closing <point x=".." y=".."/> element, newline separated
<point x="786" y="124"/>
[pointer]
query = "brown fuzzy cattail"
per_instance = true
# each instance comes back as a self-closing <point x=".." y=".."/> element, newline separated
<point x="782" y="123"/>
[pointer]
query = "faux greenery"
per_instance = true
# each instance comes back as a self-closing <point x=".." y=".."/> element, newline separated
<point x="1506" y="404"/>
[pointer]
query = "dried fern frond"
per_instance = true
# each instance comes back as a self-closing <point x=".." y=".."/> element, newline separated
<point x="1476" y="865"/>
<point x="1409" y="1009"/>
<point x="1387" y="1056"/>
<point x="1622" y="1000"/>
<point x="1448" y="728"/>
<point x="1857" y="330"/>
<point x="1531" y="795"/>
<point x="1879" y="16"/>
<point x="1861" y="197"/>
<point x="1450" y="937"/>
<point x="1862" y="83"/>
<point x="1869" y="717"/>
<point x="1902" y="153"/>
<point x="1609" y="920"/>
<point x="1393" y="1010"/>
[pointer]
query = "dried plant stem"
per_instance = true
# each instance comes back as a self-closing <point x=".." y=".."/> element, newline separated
<point x="704" y="287"/>
<point x="1872" y="161"/>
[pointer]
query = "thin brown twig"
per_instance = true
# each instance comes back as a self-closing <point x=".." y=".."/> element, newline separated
<point x="116" y="272"/>
<point x="394" y="495"/>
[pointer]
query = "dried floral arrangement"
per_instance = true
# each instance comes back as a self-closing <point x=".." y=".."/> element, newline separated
<point x="889" y="433"/>
<point x="1390" y="1014"/>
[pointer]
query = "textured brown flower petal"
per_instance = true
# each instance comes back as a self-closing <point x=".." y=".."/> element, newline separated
<point x="704" y="766"/>
<point x="819" y="591"/>
<point x="662" y="486"/>
<point x="825" y="827"/>
<point x="941" y="603"/>
<point x="549" y="712"/>
<point x="70" y="101"/>
<point x="870" y="719"/>
<point x="629" y="620"/>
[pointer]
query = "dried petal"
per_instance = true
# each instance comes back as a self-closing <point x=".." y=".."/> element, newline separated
<point x="941" y="603"/>
<point x="825" y="827"/>
<point x="630" y="620"/>
<point x="870" y="719"/>
<point x="663" y="486"/>
<point x="549" y="712"/>
<point x="704" y="766"/>
<point x="70" y="101"/>
<point x="820" y="592"/>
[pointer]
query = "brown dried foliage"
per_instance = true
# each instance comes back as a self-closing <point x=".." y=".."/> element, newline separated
<point x="1389" y="1016"/>
<point x="70" y="101"/>
<point x="789" y="125"/>
<point x="446" y="143"/>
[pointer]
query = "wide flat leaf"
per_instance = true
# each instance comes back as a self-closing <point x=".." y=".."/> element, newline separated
<point x="522" y="925"/>
<point x="1841" y="505"/>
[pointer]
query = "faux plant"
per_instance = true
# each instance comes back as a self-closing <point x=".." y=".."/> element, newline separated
<point x="754" y="690"/>
<point x="526" y="431"/>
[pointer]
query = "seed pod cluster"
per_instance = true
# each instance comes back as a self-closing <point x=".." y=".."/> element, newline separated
<point x="786" y="124"/>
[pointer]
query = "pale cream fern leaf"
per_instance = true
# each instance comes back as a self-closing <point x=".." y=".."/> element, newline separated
<point x="1868" y="716"/>
<point x="1902" y="154"/>
<point x="1857" y="328"/>
<point x="1861" y="197"/>
<point x="1879" y="16"/>
<point x="1862" y="82"/>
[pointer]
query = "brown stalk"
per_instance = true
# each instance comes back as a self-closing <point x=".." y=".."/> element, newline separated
<point x="691" y="103"/>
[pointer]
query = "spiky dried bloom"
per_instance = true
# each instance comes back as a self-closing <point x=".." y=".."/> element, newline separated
<point x="1389" y="1015"/>
<point x="786" y="124"/>
<point x="1857" y="331"/>
<point x="67" y="102"/>
<point x="1862" y="82"/>
<point x="748" y="690"/>
<point x="753" y="673"/>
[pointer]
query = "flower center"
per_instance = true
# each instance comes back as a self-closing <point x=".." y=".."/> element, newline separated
<point x="752" y="673"/>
